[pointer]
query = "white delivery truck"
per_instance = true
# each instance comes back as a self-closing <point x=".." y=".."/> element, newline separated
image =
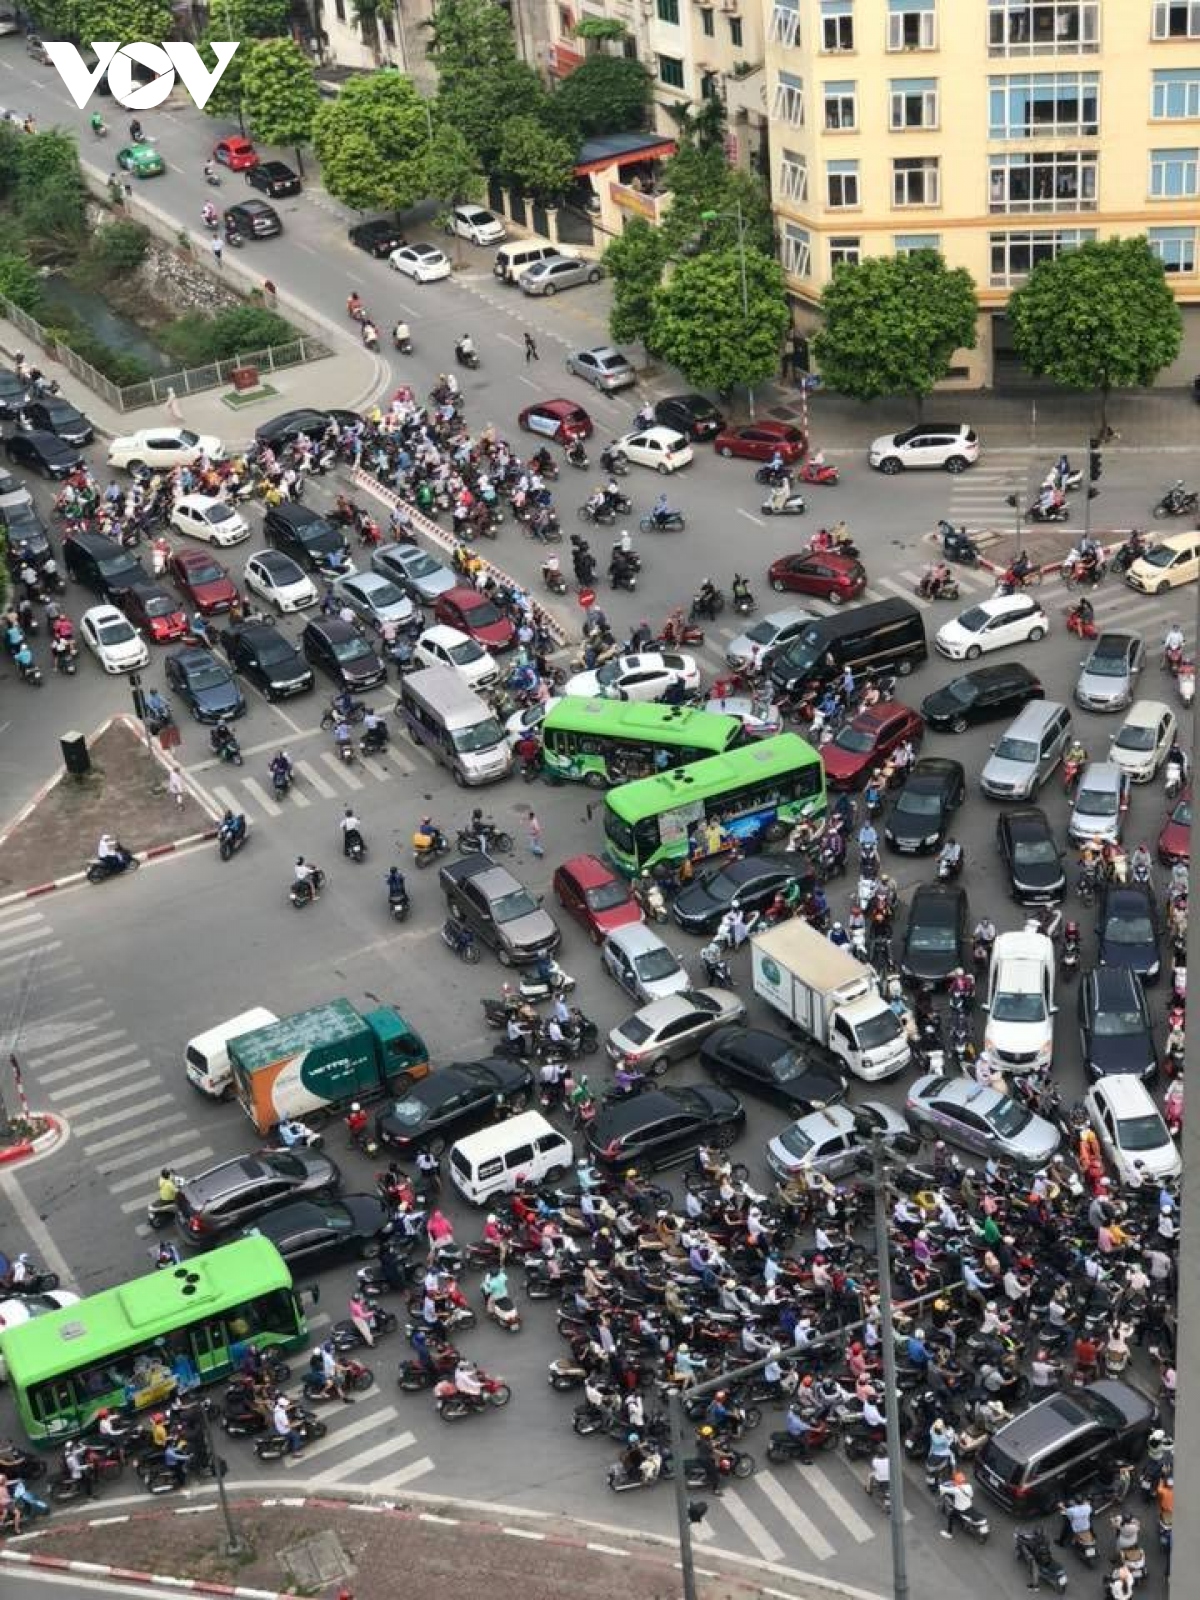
<point x="831" y="996"/>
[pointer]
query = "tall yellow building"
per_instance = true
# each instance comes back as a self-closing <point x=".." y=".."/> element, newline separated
<point x="999" y="132"/>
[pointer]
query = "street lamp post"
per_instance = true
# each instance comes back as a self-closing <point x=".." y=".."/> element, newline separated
<point x="711" y="216"/>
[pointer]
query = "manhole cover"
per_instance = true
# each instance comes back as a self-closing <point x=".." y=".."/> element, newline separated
<point x="316" y="1561"/>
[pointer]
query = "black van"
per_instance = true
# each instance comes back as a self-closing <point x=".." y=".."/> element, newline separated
<point x="886" y="636"/>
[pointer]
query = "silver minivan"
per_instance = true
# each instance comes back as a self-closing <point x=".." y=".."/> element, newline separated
<point x="1032" y="746"/>
<point x="458" y="728"/>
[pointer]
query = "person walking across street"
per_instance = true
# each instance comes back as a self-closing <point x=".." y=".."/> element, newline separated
<point x="531" y="349"/>
<point x="534" y="828"/>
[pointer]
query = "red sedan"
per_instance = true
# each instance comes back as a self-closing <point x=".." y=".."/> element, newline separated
<point x="149" y="607"/>
<point x="1175" y="840"/>
<point x="759" y="441"/>
<point x="861" y="744"/>
<point x="236" y="153"/>
<point x="202" y="581"/>
<point x="560" y="420"/>
<point x="595" y="896"/>
<point x="478" y="617"/>
<point x="829" y="577"/>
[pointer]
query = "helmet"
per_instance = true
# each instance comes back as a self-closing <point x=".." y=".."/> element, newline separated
<point x="722" y="1395"/>
<point x="632" y="1438"/>
<point x="157" y="1416"/>
<point x="356" y="1106"/>
<point x="104" y="1412"/>
<point x="941" y="1305"/>
<point x="918" y="1333"/>
<point x="806" y="1381"/>
<point x="491" y="1216"/>
<point x="706" y="1432"/>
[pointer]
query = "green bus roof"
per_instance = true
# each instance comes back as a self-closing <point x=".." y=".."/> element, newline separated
<point x="108" y="1322"/>
<point x="331" y="1023"/>
<point x="681" y="725"/>
<point x="699" y="780"/>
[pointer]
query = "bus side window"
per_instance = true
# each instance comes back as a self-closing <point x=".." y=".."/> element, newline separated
<point x="54" y="1403"/>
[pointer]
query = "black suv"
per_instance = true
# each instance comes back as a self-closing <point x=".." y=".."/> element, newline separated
<point x="378" y="237"/>
<point x="978" y="696"/>
<point x="12" y="395"/>
<point x="289" y="425"/>
<point x="43" y="452"/>
<point x="499" y="910"/>
<point x="690" y="414"/>
<point x="1062" y="1444"/>
<point x="56" y="416"/>
<point x="253" y="219"/>
<point x="102" y="565"/>
<point x="452" y="1101"/>
<point x="228" y="1196"/>
<point x="1114" y="1024"/>
<point x="270" y="661"/>
<point x="1031" y="855"/>
<point x="662" y="1127"/>
<point x="275" y="178"/>
<point x="306" y="536"/>
<point x="342" y="654"/>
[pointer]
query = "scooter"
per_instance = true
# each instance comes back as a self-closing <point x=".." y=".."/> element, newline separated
<point x="303" y="891"/>
<point x="466" y="358"/>
<point x="503" y="1312"/>
<point x="671" y="522"/>
<point x="346" y="1336"/>
<point x="399" y="904"/>
<point x="160" y="1213"/>
<point x="824" y="474"/>
<point x="1059" y="511"/>
<point x="792" y="506"/>
<point x="231" y="836"/>
<point x="427" y="847"/>
<point x="453" y="1405"/>
<point x="1034" y="1550"/>
<point x="461" y="940"/>
<point x="273" y="1446"/>
<point x="957" y="545"/>
<point x="101" y="867"/>
<point x="614" y="460"/>
<point x="945" y="589"/>
<point x="554" y="580"/>
<point x="223" y="743"/>
<point x="1177" y="502"/>
<point x="1185" y="678"/>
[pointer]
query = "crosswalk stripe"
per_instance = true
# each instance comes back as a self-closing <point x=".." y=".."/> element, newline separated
<point x="858" y="1529"/>
<point x="703" y="1534"/>
<point x="340" y="770"/>
<point x="139" y="1132"/>
<point x="137" y="1158"/>
<point x="342" y="1473"/>
<point x="98" y="1123"/>
<point x="415" y="1469"/>
<point x="128" y="1207"/>
<point x="325" y="790"/>
<point x="791" y="1513"/>
<point x="320" y="1319"/>
<point x="751" y="1526"/>
<point x="114" y="1075"/>
<point x="38" y="932"/>
<point x="372" y="766"/>
<point x="76" y="1108"/>
<point x="188" y="1161"/>
<point x="262" y="798"/>
<point x="28" y="955"/>
<point x="23" y="919"/>
<point x="344" y="1432"/>
<point x="86" y="1041"/>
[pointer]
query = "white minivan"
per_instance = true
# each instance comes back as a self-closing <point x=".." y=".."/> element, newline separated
<point x="206" y="1059"/>
<point x="506" y="1156"/>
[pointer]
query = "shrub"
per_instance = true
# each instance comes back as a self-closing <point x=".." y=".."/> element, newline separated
<point x="197" y="338"/>
<point x="120" y="246"/>
<point x="19" y="282"/>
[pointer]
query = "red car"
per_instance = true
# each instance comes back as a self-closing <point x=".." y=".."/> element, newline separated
<point x="560" y="420"/>
<point x="474" y="614"/>
<point x="1175" y="840"/>
<point x="759" y="441"/>
<point x="595" y="896"/>
<point x="829" y="577"/>
<point x="867" y="739"/>
<point x="202" y="581"/>
<point x="236" y="153"/>
<point x="149" y="607"/>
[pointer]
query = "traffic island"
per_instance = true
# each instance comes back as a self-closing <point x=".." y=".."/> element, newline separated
<point x="34" y="1133"/>
<point x="123" y="792"/>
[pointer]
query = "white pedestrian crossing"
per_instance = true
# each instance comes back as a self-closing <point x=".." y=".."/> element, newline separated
<point x="27" y="936"/>
<point x="40" y="951"/>
<point x="798" y="1521"/>
<point x="310" y="774"/>
<point x="137" y="1158"/>
<point x="750" y="1525"/>
<point x="141" y="1131"/>
<point x="344" y="1471"/>
<point x="857" y="1527"/>
<point x="341" y="770"/>
<point x="73" y="1071"/>
<point x="133" y="1069"/>
<point x="187" y="1161"/>
<point x="397" y="1480"/>
<point x="261" y="798"/>
<point x="108" y="1095"/>
<point x="98" y="1124"/>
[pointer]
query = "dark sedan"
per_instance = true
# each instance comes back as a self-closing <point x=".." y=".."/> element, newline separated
<point x="935" y="938"/>
<point x="342" y="654"/>
<point x="748" y="885"/>
<point x="259" y="652"/>
<point x="273" y="178"/>
<point x="690" y="414"/>
<point x="310" y="1233"/>
<point x="662" y="1127"/>
<point x="1127" y="930"/>
<point x="204" y="684"/>
<point x="307" y="537"/>
<point x="377" y="236"/>
<point x="752" y="1058"/>
<point x="1114" y="1024"/>
<point x="979" y="696"/>
<point x="44" y="453"/>
<point x="453" y="1101"/>
<point x="920" y="814"/>
<point x="1031" y="856"/>
<point x="12" y="395"/>
<point x="215" y="1202"/>
<point x="286" y="428"/>
<point x="56" y="416"/>
<point x="253" y="219"/>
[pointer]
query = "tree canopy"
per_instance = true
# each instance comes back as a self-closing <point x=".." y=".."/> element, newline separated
<point x="466" y="36"/>
<point x="634" y="261"/>
<point x="607" y="94"/>
<point x="534" y="160"/>
<point x="1100" y="317"/>
<point x="700" y="325"/>
<point x="372" y="143"/>
<point x="124" y="20"/>
<point x="454" y="171"/>
<point x="279" y="93"/>
<point x="478" y="101"/>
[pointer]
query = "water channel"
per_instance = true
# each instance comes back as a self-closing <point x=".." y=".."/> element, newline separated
<point x="108" y="325"/>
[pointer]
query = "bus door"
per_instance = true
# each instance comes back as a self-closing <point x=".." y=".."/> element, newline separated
<point x="210" y="1348"/>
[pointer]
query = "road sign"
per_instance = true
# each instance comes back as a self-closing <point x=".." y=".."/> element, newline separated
<point x="587" y="598"/>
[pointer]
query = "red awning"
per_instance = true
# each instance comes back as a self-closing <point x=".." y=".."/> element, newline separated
<point x="651" y="152"/>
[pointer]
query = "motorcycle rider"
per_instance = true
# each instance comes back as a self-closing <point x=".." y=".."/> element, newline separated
<point x="465" y="348"/>
<point x="1172" y="645"/>
<point x="233" y="825"/>
<point x="780" y="494"/>
<point x="304" y="878"/>
<point x="351" y="831"/>
<point x="375" y="732"/>
<point x="1081" y="619"/>
<point x="223" y="738"/>
<point x="209" y="213"/>
<point x="467" y="1382"/>
<point x="950" y="860"/>
<point x="707" y="600"/>
<point x="957" y="1496"/>
<point x="741" y="591"/>
<point x="1076" y="1518"/>
<point x="662" y="512"/>
<point x="281" y="769"/>
<point x="396" y="889"/>
<point x="934" y="579"/>
<point x="401" y="334"/>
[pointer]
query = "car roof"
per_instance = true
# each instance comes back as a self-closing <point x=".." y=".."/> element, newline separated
<point x="495" y="881"/>
<point x="1146" y="713"/>
<point x="277" y="561"/>
<point x="1101" y="774"/>
<point x="935" y="767"/>
<point x="98" y="543"/>
<point x="590" y="871"/>
<point x="442" y="633"/>
<point x="105" y="613"/>
<point x="1125" y="1093"/>
<point x="332" y="627"/>
<point x="883" y="711"/>
<point x="1123" y="896"/>
<point x="959" y="1091"/>
<point x="635" y="938"/>
<point x="652" y="1105"/>
<point x="1115" y="640"/>
<point x="204" y="558"/>
<point x="1026" y="818"/>
<point x="835" y="1118"/>
<point x="226" y="1175"/>
<point x="998" y="604"/>
<point x="191" y="655"/>
<point x="656" y="1013"/>
<point x="944" y="895"/>
<point x="464" y="596"/>
<point x="1116" y="986"/>
<point x="657" y="430"/>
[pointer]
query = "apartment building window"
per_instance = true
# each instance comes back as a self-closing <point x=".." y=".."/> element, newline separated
<point x="789" y="100"/>
<point x="916" y="181"/>
<point x="785" y="23"/>
<point x="912" y="25"/>
<point x="340" y="7"/>
<point x="914" y="102"/>
<point x="1050" y="180"/>
<point x="668" y="11"/>
<point x="837" y="26"/>
<point x="907" y="244"/>
<point x="841" y="106"/>
<point x="844" y="253"/>
<point x="797" y="251"/>
<point x="1177" y="19"/>
<point x="1019" y="28"/>
<point x="1014" y="255"/>
<point x="735" y="32"/>
<point x="1030" y="105"/>
<point x="793" y="177"/>
<point x="1174" y="247"/>
<point x="670" y="71"/>
<point x="1175" y="96"/>
<point x="1173" y="174"/>
<point x="707" y="23"/>
<point x="841" y="183"/>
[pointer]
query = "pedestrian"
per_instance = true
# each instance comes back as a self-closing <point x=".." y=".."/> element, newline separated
<point x="173" y="410"/>
<point x="534" y="828"/>
<point x="175" y="786"/>
<point x="269" y="291"/>
<point x="531" y="349"/>
<point x="217" y="250"/>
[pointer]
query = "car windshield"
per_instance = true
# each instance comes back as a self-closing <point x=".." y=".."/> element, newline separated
<point x="933" y="936"/>
<point x="483" y="616"/>
<point x="918" y="803"/>
<point x="115" y="632"/>
<point x="608" y="673"/>
<point x="421" y="565"/>
<point x="273" y="649"/>
<point x="351" y="649"/>
<point x="762" y="632"/>
<point x="961" y="690"/>
<point x="1096" y="803"/>
<point x="722" y="887"/>
<point x="1117" y="1024"/>
<point x="1182" y="814"/>
<point x="1035" y="852"/>
<point x="635" y="1030"/>
<point x="409" y="1113"/>
<point x="188" y="438"/>
<point x="791" y="1064"/>
<point x="111" y="565"/>
<point x="485" y="735"/>
<point x="1009" y="1118"/>
<point x="158" y="605"/>
<point x="207" y="675"/>
<point x="516" y="903"/>
<point x="607" y="896"/>
<point x="1129" y="930"/>
<point x="1022" y="750"/>
<point x="1146" y="1132"/>
<point x="856" y="740"/>
<point x="1018" y="1007"/>
<point x="1108" y="667"/>
<point x="795" y="1141"/>
<point x="655" y="964"/>
<point x="1135" y="737"/>
<point x="1161" y="556"/>
<point x="465" y="653"/>
<point x="384" y="593"/>
<point x="974" y="619"/>
<point x="879" y="1030"/>
<point x="207" y="573"/>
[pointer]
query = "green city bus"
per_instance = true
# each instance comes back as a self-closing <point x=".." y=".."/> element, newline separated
<point x="135" y="1345"/>
<point x="614" y="741"/>
<point x="743" y="798"/>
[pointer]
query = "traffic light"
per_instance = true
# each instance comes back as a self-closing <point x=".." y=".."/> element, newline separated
<point x="1095" y="460"/>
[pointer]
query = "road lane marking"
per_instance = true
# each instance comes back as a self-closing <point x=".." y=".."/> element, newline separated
<point x="138" y="1132"/>
<point x="29" y="955"/>
<point x="39" y="931"/>
<point x="36" y="1233"/>
<point x="791" y="1513"/>
<point x="260" y="795"/>
<point x="131" y="1069"/>
<point x="85" y="1041"/>
<point x="370" y="1423"/>
<point x="858" y="1529"/>
<point x="397" y="1480"/>
<point x="751" y="1526"/>
<point x="135" y="1158"/>
<point x="143" y="1128"/>
<point x="340" y="770"/>
<point x="188" y="1161"/>
<point x="76" y="1108"/>
<point x="750" y="517"/>
<point x="325" y="790"/>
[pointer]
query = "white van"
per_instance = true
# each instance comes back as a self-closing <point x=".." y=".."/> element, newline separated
<point x="513" y="258"/>
<point x="206" y="1059"/>
<point x="497" y="1160"/>
<point x="458" y="728"/>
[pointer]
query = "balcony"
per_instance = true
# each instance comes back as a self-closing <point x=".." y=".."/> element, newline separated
<point x="635" y="201"/>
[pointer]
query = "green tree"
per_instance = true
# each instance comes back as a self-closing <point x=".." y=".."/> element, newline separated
<point x="124" y="20"/>
<point x="634" y="261"/>
<point x="601" y="29"/>
<point x="372" y="143"/>
<point x="279" y="94"/>
<point x="19" y="281"/>
<point x="465" y="35"/>
<point x="49" y="195"/>
<point x="892" y="323"/>
<point x="455" y="175"/>
<point x="534" y="160"/>
<point x="607" y="94"/>
<point x="702" y="327"/>
<point x="707" y="195"/>
<point x="479" y="100"/>
<point x="245" y="20"/>
<point x="1101" y="317"/>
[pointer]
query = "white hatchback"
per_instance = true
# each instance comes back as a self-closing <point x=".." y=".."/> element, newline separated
<point x="168" y="446"/>
<point x="280" y="581"/>
<point x="204" y="517"/>
<point x="442" y="646"/>
<point x="477" y="224"/>
<point x="1004" y="619"/>
<point x="661" y="448"/>
<point x="1131" y="1130"/>
<point x="1019" y="1036"/>
<point x="424" y="263"/>
<point x="646" y="676"/>
<point x="1139" y="746"/>
<point x="113" y="639"/>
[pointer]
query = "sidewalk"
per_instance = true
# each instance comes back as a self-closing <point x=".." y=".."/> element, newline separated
<point x="375" y="1552"/>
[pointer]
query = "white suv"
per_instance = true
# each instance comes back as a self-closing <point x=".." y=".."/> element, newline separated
<point x="1019" y="1036"/>
<point x="951" y="445"/>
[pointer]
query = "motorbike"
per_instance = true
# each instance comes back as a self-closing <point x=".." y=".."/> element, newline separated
<point x="467" y="358"/>
<point x="303" y="891"/>
<point x="492" y="841"/>
<point x="223" y="743"/>
<point x="1185" y="679"/>
<point x="1033" y="1549"/>
<point x="822" y="473"/>
<point x="619" y="1480"/>
<point x="161" y="1213"/>
<point x="1084" y="1546"/>
<point x="1177" y="502"/>
<point x="743" y="602"/>
<point x="428" y="846"/>
<point x="233" y="237"/>
<point x="598" y="516"/>
<point x="503" y="1313"/>
<point x="942" y="589"/>
<point x="707" y="606"/>
<point x="613" y="459"/>
<point x="957" y="545"/>
<point x="1069" y="959"/>
<point x="792" y="505"/>
<point x="101" y="867"/>
<point x="354" y="714"/>
<point x="1058" y="511"/>
<point x="281" y="781"/>
<point x="398" y="902"/>
<point x="948" y="869"/>
<point x="231" y="836"/>
<point x="414" y="1376"/>
<point x="353" y="1375"/>
<point x="273" y="1446"/>
<point x="452" y="1405"/>
<point x="670" y="522"/>
<point x="974" y="1522"/>
<point x="461" y="940"/>
<point x="404" y="345"/>
<point x="346" y="1336"/>
<point x="554" y="580"/>
<point x="354" y="846"/>
<point x="577" y="455"/>
<point x="38" y="1280"/>
<point x="621" y="575"/>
